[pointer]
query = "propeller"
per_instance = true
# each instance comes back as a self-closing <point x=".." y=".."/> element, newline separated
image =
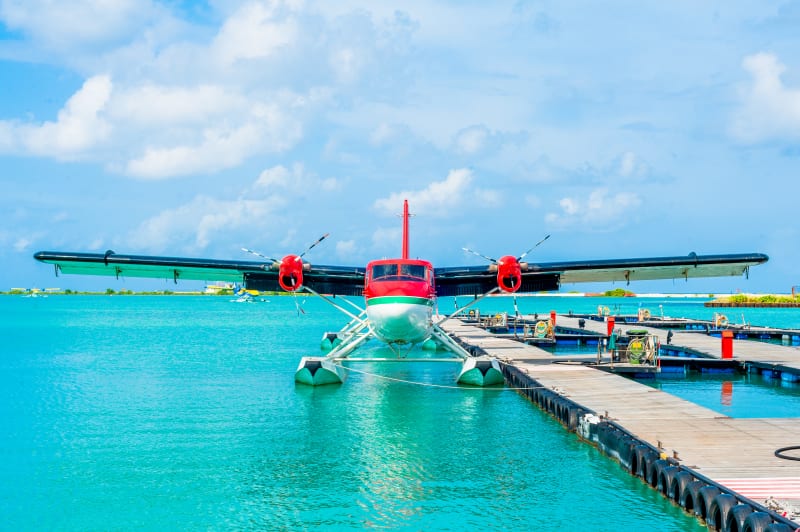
<point x="257" y="254"/>
<point x="490" y="259"/>
<point x="509" y="269"/>
<point x="299" y="257"/>
<point x="494" y="261"/>
<point x="536" y="245"/>
<point x="290" y="269"/>
<point x="320" y="239"/>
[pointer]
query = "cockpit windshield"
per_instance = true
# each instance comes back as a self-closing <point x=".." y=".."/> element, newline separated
<point x="398" y="272"/>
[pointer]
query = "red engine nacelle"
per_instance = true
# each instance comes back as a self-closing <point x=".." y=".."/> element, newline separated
<point x="290" y="273"/>
<point x="509" y="274"/>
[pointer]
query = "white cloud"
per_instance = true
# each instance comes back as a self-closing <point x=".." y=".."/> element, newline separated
<point x="80" y="125"/>
<point x="159" y="105"/>
<point x="471" y="140"/>
<point x="296" y="181"/>
<point x="488" y="197"/>
<point x="598" y="212"/>
<point x="64" y="26"/>
<point x="346" y="249"/>
<point x="266" y="129"/>
<point x="436" y="199"/>
<point x="22" y="244"/>
<point x="253" y="33"/>
<point x="199" y="222"/>
<point x="769" y="110"/>
<point x="382" y="134"/>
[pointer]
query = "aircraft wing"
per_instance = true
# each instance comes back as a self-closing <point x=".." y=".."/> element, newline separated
<point x="548" y="276"/>
<point x="338" y="280"/>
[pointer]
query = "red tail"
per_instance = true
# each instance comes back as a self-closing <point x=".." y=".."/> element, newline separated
<point x="405" y="229"/>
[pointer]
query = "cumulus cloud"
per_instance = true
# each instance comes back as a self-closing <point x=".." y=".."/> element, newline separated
<point x="206" y="219"/>
<point x="599" y="212"/>
<point x="79" y="127"/>
<point x="472" y="139"/>
<point x="191" y="97"/>
<point x="768" y="109"/>
<point x="22" y="244"/>
<point x="436" y="199"/>
<point x="296" y="180"/>
<point x="631" y="166"/>
<point x="65" y="26"/>
<point x="253" y="32"/>
<point x="199" y="222"/>
<point x="264" y="129"/>
<point x="162" y="105"/>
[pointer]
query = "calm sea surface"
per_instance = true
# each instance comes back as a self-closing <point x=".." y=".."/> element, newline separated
<point x="181" y="412"/>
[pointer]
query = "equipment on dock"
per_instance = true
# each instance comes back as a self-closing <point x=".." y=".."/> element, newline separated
<point x="399" y="294"/>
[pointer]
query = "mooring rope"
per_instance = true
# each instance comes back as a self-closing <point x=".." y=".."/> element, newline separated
<point x="432" y="385"/>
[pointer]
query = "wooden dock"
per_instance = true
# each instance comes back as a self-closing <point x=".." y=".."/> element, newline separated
<point x="738" y="454"/>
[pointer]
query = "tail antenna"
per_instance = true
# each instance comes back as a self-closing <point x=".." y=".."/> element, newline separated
<point x="405" y="229"/>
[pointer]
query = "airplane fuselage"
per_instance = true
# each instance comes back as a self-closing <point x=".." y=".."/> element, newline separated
<point x="400" y="296"/>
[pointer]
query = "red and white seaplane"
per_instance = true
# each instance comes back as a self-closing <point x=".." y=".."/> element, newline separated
<point x="399" y="294"/>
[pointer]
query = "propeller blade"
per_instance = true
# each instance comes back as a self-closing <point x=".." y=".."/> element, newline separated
<point x="257" y="254"/>
<point x="534" y="247"/>
<point x="493" y="261"/>
<point x="323" y="237"/>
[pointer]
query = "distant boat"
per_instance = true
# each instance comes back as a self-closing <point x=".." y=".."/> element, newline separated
<point x="35" y="293"/>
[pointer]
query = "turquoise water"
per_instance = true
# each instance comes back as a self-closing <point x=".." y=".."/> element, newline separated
<point x="735" y="395"/>
<point x="181" y="412"/>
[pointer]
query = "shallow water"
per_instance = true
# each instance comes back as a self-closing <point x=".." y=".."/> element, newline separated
<point x="735" y="394"/>
<point x="181" y="412"/>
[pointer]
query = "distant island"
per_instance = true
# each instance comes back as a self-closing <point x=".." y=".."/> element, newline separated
<point x="751" y="300"/>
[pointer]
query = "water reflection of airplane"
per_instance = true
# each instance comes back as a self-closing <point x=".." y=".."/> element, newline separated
<point x="399" y="294"/>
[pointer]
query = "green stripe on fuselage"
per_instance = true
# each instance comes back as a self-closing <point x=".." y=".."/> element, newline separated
<point x="408" y="300"/>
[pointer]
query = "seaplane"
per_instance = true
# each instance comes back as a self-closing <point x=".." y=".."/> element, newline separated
<point x="399" y="294"/>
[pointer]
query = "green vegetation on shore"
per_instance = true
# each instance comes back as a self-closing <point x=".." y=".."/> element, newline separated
<point x="752" y="300"/>
<point x="618" y="292"/>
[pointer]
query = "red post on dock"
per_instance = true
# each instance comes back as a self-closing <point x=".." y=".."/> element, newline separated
<point x="553" y="317"/>
<point x="610" y="322"/>
<point x="727" y="344"/>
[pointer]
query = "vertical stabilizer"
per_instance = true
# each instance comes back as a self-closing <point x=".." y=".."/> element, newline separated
<point x="405" y="229"/>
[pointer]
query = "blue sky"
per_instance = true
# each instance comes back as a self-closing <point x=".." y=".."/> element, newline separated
<point x="629" y="129"/>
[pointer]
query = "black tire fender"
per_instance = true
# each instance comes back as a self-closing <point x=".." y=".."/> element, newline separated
<point x="689" y="498"/>
<point x="736" y="517"/>
<point x="719" y="510"/>
<point x="665" y="480"/>
<point x="679" y="482"/>
<point x="646" y="462"/>
<point x="757" y="522"/>
<point x="654" y="471"/>
<point x="625" y="448"/>
<point x="706" y="497"/>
